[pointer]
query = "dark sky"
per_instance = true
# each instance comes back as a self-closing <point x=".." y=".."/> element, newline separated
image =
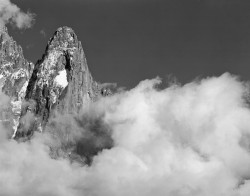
<point x="126" y="41"/>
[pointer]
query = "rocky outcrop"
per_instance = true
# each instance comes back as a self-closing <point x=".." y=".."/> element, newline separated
<point x="58" y="83"/>
<point x="15" y="73"/>
<point x="61" y="81"/>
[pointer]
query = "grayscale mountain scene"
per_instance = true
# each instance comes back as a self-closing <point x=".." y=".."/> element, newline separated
<point x="124" y="98"/>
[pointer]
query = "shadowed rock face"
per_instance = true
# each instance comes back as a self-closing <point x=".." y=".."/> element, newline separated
<point x="15" y="73"/>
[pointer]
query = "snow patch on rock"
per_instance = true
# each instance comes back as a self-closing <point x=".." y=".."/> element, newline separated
<point x="61" y="79"/>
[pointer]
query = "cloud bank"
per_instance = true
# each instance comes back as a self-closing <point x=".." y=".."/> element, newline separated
<point x="10" y="13"/>
<point x="179" y="141"/>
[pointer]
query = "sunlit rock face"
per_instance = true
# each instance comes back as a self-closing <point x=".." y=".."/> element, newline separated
<point x="61" y="80"/>
<point x="15" y="73"/>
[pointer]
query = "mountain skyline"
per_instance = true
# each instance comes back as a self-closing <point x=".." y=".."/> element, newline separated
<point x="144" y="39"/>
<point x="66" y="132"/>
<point x="59" y="82"/>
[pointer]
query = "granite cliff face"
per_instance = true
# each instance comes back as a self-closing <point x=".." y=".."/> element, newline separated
<point x="15" y="73"/>
<point x="59" y="82"/>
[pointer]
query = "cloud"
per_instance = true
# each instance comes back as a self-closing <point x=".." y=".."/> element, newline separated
<point x="179" y="141"/>
<point x="10" y="13"/>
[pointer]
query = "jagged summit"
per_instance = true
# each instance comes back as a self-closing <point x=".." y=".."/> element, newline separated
<point x="15" y="72"/>
<point x="65" y="29"/>
<point x="58" y="83"/>
<point x="61" y="80"/>
<point x="64" y="38"/>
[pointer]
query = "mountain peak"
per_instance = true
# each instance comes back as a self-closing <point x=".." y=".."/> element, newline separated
<point x="64" y="38"/>
<point x="15" y="72"/>
<point x="61" y="81"/>
<point x="65" y="29"/>
<point x="58" y="83"/>
<point x="4" y="36"/>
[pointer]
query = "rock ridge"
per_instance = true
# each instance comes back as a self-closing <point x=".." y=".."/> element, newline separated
<point x="15" y="72"/>
<point x="59" y="82"/>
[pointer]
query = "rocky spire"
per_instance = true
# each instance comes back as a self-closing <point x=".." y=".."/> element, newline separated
<point x="61" y="80"/>
<point x="15" y="72"/>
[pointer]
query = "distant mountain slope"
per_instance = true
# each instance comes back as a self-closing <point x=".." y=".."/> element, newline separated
<point x="15" y="73"/>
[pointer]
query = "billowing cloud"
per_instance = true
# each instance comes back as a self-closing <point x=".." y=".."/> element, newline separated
<point x="10" y="13"/>
<point x="179" y="141"/>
